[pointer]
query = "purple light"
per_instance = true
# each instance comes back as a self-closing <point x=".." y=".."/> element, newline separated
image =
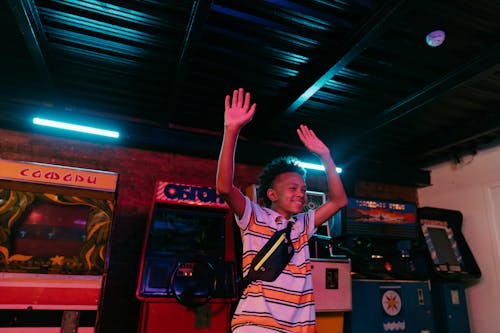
<point x="435" y="38"/>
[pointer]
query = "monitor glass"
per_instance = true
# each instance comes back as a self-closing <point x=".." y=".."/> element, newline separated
<point x="58" y="233"/>
<point x="380" y="219"/>
<point x="51" y="230"/>
<point x="442" y="246"/>
<point x="187" y="231"/>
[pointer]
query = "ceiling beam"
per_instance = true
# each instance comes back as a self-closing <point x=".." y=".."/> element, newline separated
<point x="28" y="22"/>
<point x="475" y="134"/>
<point x="194" y="28"/>
<point x="312" y="80"/>
<point x="199" y="14"/>
<point x="478" y="66"/>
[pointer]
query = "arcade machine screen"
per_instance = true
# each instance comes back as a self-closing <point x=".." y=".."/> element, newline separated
<point x="187" y="232"/>
<point x="448" y="253"/>
<point x="380" y="219"/>
<point x="53" y="233"/>
<point x="378" y="235"/>
<point x="49" y="230"/>
<point x="442" y="246"/>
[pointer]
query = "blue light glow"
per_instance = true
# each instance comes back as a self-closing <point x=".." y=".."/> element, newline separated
<point x="76" y="128"/>
<point x="317" y="167"/>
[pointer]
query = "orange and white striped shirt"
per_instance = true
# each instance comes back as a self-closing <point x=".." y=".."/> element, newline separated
<point x="287" y="303"/>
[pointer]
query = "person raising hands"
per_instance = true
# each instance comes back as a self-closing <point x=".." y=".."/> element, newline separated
<point x="285" y="304"/>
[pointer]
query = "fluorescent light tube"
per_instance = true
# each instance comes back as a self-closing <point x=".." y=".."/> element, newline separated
<point x="316" y="167"/>
<point x="75" y="127"/>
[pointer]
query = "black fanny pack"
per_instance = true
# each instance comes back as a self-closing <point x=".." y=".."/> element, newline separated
<point x="268" y="264"/>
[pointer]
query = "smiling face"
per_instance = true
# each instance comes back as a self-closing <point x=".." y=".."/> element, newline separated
<point x="287" y="194"/>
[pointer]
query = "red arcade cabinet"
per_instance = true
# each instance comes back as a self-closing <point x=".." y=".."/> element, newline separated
<point x="187" y="280"/>
<point x="55" y="224"/>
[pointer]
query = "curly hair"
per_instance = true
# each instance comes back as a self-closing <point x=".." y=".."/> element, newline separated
<point x="274" y="168"/>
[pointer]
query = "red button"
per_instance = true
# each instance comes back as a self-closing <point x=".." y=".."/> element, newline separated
<point x="388" y="266"/>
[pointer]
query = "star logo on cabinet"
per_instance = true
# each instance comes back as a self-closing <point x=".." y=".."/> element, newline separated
<point x="391" y="302"/>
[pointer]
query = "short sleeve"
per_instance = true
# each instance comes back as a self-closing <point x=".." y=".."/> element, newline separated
<point x="245" y="219"/>
<point x="311" y="228"/>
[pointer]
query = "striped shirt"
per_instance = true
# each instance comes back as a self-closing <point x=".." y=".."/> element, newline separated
<point x="285" y="304"/>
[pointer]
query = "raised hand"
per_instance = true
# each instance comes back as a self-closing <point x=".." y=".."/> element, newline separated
<point x="238" y="111"/>
<point x="312" y="142"/>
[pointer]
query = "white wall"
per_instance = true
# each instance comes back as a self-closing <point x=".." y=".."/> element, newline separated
<point x="473" y="188"/>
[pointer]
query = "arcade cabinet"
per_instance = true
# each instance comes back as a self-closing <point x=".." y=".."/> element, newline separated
<point x="55" y="223"/>
<point x="380" y="237"/>
<point x="451" y="267"/>
<point x="187" y="280"/>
